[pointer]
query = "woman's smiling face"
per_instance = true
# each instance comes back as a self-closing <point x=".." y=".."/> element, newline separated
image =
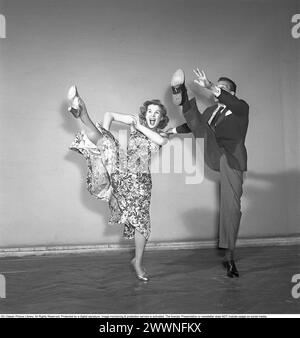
<point x="153" y="116"/>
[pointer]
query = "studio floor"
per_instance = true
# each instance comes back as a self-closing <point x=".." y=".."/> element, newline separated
<point x="182" y="282"/>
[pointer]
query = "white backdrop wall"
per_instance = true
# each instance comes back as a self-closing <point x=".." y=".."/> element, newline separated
<point x="120" y="53"/>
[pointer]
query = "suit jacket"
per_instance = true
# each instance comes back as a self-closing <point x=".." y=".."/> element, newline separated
<point x="230" y="130"/>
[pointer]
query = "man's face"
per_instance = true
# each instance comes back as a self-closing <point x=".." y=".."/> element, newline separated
<point x="225" y="85"/>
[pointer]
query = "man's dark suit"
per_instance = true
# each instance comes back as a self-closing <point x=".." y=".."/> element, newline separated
<point x="224" y="151"/>
<point x="229" y="135"/>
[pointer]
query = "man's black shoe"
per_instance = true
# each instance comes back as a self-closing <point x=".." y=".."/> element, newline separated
<point x="231" y="269"/>
<point x="179" y="93"/>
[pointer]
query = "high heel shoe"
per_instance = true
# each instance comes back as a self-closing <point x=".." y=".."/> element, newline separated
<point x="72" y="92"/>
<point x="142" y="277"/>
<point x="74" y="99"/>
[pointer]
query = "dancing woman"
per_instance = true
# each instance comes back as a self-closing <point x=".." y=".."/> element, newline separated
<point x="122" y="179"/>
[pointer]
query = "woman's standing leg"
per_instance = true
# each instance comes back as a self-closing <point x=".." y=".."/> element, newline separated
<point x="140" y="243"/>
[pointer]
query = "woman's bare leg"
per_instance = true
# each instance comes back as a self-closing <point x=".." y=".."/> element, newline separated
<point x="140" y="243"/>
<point x="90" y="129"/>
<point x="78" y="109"/>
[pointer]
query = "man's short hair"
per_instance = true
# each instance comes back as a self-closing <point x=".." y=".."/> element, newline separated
<point x="231" y="83"/>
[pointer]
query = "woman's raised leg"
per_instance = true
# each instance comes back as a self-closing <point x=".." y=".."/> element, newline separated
<point x="90" y="129"/>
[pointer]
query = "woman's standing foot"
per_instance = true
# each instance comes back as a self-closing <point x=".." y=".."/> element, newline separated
<point x="139" y="271"/>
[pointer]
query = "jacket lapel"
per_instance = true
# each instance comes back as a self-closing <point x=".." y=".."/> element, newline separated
<point x="208" y="112"/>
<point x="222" y="116"/>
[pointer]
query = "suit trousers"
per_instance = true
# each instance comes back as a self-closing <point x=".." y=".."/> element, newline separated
<point x="231" y="189"/>
<point x="231" y="180"/>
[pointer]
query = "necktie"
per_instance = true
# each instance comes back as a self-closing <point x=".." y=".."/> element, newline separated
<point x="216" y="117"/>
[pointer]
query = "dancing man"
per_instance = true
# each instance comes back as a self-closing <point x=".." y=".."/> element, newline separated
<point x="223" y="126"/>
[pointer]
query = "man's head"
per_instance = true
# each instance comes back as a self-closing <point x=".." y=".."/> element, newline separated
<point x="227" y="84"/>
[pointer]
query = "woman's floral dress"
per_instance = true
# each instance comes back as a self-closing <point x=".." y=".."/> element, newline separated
<point x="123" y="179"/>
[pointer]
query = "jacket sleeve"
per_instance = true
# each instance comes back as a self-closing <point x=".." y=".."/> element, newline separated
<point x="183" y="129"/>
<point x="237" y="106"/>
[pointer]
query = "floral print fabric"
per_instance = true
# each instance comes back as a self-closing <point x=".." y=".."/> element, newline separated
<point x="123" y="179"/>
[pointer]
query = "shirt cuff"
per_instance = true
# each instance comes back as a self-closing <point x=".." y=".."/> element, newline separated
<point x="174" y="131"/>
<point x="217" y="92"/>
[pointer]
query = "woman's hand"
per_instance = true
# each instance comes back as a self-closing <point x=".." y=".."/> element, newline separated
<point x="135" y="122"/>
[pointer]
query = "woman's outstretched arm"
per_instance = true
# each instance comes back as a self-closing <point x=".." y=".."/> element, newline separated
<point x="152" y="135"/>
<point x="118" y="117"/>
<point x="134" y="121"/>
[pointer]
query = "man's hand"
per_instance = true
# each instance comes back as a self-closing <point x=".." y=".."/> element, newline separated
<point x="170" y="132"/>
<point x="164" y="134"/>
<point x="202" y="80"/>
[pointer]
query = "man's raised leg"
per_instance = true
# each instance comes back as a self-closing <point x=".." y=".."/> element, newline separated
<point x="195" y="121"/>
